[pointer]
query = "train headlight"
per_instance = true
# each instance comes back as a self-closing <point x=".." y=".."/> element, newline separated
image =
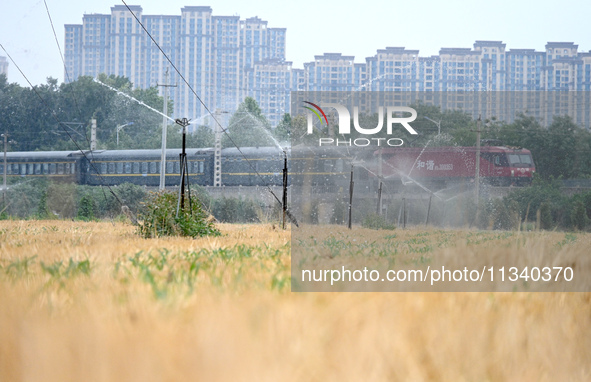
<point x="512" y="172"/>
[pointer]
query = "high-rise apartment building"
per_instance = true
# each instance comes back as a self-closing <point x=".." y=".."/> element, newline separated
<point x="217" y="55"/>
<point x="3" y="65"/>
<point x="225" y="59"/>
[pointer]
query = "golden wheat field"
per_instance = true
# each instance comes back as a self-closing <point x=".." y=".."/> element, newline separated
<point x="94" y="302"/>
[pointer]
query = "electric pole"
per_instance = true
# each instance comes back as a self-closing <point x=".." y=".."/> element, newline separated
<point x="92" y="134"/>
<point x="166" y="85"/>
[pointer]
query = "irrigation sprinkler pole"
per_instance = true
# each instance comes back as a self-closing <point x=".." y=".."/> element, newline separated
<point x="403" y="213"/>
<point x="380" y="175"/>
<point x="379" y="206"/>
<point x="351" y="184"/>
<point x="166" y="85"/>
<point x="4" y="178"/>
<point x="183" y="157"/>
<point x="284" y="187"/>
<point x="477" y="160"/>
<point x="428" y="209"/>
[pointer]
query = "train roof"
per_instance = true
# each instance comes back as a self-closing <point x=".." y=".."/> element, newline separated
<point x="104" y="154"/>
<point x="488" y="149"/>
<point x="250" y="151"/>
<point x="40" y="154"/>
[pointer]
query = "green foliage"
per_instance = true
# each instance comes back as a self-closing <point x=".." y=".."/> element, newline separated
<point x="86" y="208"/>
<point x="549" y="206"/>
<point x="375" y="221"/>
<point x="33" y="126"/>
<point x="235" y="210"/>
<point x="42" y="209"/>
<point x="579" y="218"/>
<point x="158" y="218"/>
<point x="283" y="130"/>
<point x="503" y="215"/>
<point x="248" y="126"/>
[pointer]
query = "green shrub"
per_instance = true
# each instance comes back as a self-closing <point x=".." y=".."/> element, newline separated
<point x="86" y="208"/>
<point x="158" y="218"/>
<point x="578" y="216"/>
<point x="235" y="210"/>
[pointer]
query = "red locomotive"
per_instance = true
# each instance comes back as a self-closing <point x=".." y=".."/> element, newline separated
<point x="499" y="165"/>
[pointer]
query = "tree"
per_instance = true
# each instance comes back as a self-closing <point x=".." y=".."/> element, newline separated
<point x="248" y="127"/>
<point x="283" y="130"/>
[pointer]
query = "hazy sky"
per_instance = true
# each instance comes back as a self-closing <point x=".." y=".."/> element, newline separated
<point x="314" y="27"/>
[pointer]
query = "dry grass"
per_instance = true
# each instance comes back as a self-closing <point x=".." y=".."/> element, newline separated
<point x="113" y="318"/>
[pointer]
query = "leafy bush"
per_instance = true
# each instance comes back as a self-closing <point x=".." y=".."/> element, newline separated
<point x="158" y="218"/>
<point x="86" y="208"/>
<point x="235" y="210"/>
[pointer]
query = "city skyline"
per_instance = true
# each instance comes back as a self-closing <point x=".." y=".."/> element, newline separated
<point x="225" y="59"/>
<point x="315" y="28"/>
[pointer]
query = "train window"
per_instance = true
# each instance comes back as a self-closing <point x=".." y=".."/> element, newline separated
<point x="45" y="168"/>
<point x="110" y="168"/>
<point x="169" y="167"/>
<point x="31" y="169"/>
<point x="514" y="158"/>
<point x="201" y="167"/>
<point x="103" y="168"/>
<point x="338" y="165"/>
<point x="177" y="168"/>
<point x="72" y="168"/>
<point x="119" y="167"/>
<point x="497" y="160"/>
<point x="526" y="159"/>
<point x="37" y="168"/>
<point x="2" y="168"/>
<point x="23" y="169"/>
<point x="60" y="168"/>
<point x="66" y="168"/>
<point x="52" y="168"/>
<point x="136" y="167"/>
<point x="128" y="168"/>
<point x="153" y="168"/>
<point x="144" y="167"/>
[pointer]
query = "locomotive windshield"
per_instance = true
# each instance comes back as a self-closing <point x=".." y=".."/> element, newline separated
<point x="520" y="160"/>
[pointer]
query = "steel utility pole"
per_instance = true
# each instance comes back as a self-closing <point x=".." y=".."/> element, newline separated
<point x="166" y="85"/>
<point x="217" y="153"/>
<point x="92" y="134"/>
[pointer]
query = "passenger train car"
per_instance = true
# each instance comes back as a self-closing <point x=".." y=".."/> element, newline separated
<point x="263" y="166"/>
